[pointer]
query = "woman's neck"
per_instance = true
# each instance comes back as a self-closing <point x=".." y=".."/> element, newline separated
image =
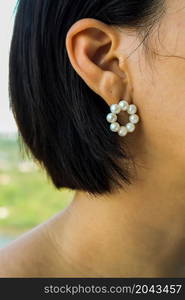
<point x="138" y="232"/>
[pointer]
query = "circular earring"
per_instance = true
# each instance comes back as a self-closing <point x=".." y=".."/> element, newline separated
<point x="112" y="117"/>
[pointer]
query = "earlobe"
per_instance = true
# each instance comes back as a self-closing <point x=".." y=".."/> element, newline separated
<point x="91" y="47"/>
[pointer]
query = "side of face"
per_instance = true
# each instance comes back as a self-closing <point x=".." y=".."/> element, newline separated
<point x="158" y="78"/>
<point x="116" y="64"/>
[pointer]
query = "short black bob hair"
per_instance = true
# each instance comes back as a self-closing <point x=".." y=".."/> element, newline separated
<point x="60" y="119"/>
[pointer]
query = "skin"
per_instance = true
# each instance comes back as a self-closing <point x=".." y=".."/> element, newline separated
<point x="140" y="231"/>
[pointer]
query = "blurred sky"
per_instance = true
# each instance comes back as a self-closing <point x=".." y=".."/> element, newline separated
<point x="7" y="124"/>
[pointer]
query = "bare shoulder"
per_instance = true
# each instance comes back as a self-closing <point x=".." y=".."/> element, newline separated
<point x="52" y="249"/>
<point x="33" y="254"/>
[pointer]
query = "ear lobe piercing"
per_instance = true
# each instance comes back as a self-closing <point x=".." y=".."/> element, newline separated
<point x="133" y="117"/>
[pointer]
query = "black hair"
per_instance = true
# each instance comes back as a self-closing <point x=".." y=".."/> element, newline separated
<point x="60" y="119"/>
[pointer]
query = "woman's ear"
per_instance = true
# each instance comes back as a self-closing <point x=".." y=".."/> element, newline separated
<point x="92" y="48"/>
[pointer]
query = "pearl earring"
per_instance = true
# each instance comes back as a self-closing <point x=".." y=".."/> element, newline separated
<point x="112" y="117"/>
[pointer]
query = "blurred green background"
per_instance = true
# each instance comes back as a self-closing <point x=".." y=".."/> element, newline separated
<point x="27" y="197"/>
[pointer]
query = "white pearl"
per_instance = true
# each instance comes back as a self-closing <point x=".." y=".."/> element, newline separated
<point x="130" y="127"/>
<point x="123" y="105"/>
<point x="134" y="119"/>
<point x="111" y="118"/>
<point x="115" y="109"/>
<point x="114" y="127"/>
<point x="123" y="131"/>
<point x="132" y="109"/>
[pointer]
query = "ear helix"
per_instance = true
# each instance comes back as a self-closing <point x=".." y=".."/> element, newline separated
<point x="112" y="117"/>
